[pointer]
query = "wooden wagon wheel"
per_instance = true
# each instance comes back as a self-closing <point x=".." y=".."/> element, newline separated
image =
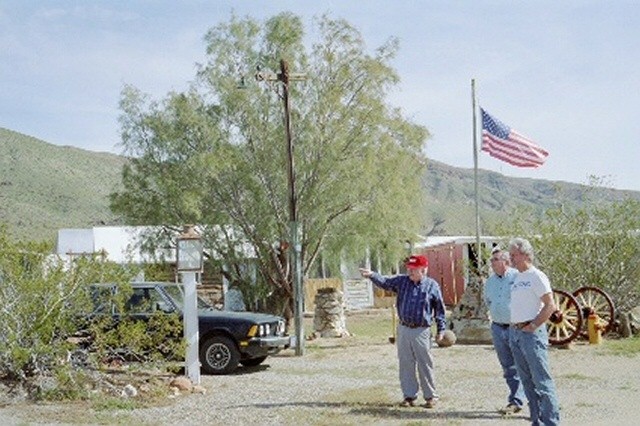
<point x="565" y="323"/>
<point x="592" y="299"/>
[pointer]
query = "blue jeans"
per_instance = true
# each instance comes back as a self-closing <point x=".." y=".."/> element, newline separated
<point x="532" y="361"/>
<point x="500" y="337"/>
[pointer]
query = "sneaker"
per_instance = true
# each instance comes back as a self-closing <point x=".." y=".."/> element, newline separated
<point x="510" y="409"/>
<point x="408" y="402"/>
<point x="430" y="403"/>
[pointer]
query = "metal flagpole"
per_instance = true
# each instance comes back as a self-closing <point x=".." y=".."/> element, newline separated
<point x="475" y="175"/>
<point x="469" y="318"/>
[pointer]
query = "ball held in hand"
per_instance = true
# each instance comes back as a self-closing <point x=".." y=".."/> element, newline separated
<point x="448" y="339"/>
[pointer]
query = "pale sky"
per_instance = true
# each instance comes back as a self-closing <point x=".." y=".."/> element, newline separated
<point x="565" y="74"/>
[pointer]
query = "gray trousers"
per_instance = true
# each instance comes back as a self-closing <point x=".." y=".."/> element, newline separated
<point x="414" y="350"/>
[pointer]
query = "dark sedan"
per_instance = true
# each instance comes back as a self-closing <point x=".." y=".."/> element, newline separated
<point x="227" y="339"/>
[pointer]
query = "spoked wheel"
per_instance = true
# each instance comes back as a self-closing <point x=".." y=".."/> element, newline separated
<point x="565" y="323"/>
<point x="592" y="299"/>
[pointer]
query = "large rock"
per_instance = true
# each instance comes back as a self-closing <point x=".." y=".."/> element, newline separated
<point x="129" y="391"/>
<point x="181" y="383"/>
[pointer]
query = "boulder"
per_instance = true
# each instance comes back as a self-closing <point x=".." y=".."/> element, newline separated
<point x="181" y="383"/>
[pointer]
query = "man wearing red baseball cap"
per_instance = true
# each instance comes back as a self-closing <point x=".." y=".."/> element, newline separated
<point x="419" y="302"/>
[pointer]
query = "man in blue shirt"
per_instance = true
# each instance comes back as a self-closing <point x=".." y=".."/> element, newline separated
<point x="419" y="301"/>
<point x="497" y="296"/>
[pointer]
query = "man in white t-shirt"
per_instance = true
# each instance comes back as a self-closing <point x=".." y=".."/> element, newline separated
<point x="531" y="306"/>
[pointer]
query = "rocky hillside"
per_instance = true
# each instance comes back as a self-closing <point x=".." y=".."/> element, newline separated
<point x="44" y="187"/>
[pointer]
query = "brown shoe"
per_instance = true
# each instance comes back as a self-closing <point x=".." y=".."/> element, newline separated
<point x="408" y="402"/>
<point x="430" y="403"/>
<point x="510" y="409"/>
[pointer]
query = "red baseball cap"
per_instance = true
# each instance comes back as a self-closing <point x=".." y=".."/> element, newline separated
<point x="417" y="261"/>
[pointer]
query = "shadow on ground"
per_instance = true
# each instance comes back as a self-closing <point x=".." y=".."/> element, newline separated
<point x="390" y="411"/>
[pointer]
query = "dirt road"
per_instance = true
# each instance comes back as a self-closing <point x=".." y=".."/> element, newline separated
<point x="339" y="383"/>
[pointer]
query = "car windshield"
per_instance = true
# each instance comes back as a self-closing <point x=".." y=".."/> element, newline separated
<point x="177" y="294"/>
<point x="101" y="298"/>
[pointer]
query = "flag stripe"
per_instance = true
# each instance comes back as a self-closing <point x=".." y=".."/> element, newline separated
<point x="516" y="146"/>
<point x="489" y="143"/>
<point x="508" y="157"/>
<point x="527" y="142"/>
<point x="505" y="144"/>
<point x="490" y="148"/>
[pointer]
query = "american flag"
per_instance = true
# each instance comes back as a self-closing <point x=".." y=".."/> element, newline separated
<point x="504" y="143"/>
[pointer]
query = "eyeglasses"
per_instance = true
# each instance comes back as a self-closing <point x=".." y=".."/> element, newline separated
<point x="495" y="259"/>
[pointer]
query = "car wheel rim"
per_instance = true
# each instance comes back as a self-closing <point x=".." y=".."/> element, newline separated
<point x="218" y="356"/>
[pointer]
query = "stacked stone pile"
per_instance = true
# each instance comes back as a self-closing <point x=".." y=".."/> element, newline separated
<point x="329" y="317"/>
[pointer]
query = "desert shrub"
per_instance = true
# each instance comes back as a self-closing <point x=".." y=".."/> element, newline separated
<point x="594" y="244"/>
<point x="45" y="305"/>
<point x="126" y="339"/>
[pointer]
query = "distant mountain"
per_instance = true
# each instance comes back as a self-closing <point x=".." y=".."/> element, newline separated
<point x="451" y="194"/>
<point x="45" y="187"/>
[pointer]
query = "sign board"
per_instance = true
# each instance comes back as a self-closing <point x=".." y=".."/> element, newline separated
<point x="358" y="294"/>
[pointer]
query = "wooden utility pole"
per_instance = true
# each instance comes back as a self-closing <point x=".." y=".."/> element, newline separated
<point x="294" y="234"/>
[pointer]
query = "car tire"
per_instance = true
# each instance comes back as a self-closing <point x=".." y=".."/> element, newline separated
<point x="252" y="362"/>
<point x="219" y="355"/>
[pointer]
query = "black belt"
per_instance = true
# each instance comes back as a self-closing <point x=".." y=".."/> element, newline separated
<point x="501" y="325"/>
<point x="521" y="325"/>
<point x="412" y="324"/>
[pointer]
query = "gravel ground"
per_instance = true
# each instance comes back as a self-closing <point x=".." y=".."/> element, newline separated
<point x="341" y="381"/>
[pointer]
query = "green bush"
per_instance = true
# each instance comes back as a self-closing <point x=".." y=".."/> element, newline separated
<point x="129" y="340"/>
<point x="593" y="245"/>
<point x="40" y="295"/>
<point x="45" y="303"/>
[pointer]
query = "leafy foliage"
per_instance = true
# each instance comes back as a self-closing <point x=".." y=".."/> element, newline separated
<point x="43" y="299"/>
<point x="125" y="339"/>
<point x="217" y="155"/>
<point x="45" y="304"/>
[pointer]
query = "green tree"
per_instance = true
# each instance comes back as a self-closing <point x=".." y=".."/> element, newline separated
<point x="216" y="154"/>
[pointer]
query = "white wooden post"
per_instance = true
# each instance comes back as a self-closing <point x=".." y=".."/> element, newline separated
<point x="189" y="263"/>
<point x="191" y="332"/>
